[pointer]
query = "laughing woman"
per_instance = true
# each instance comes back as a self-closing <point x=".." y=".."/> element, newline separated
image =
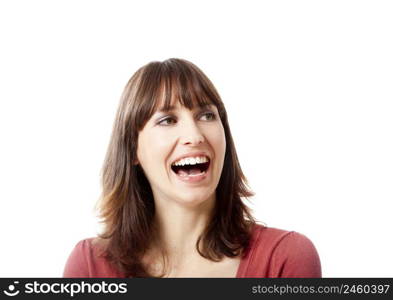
<point x="173" y="190"/>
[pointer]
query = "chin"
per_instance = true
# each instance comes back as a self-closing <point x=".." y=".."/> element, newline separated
<point x="193" y="198"/>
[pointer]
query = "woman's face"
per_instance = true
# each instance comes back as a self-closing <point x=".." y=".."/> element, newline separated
<point x="182" y="153"/>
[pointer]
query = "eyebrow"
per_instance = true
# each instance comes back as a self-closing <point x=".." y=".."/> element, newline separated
<point x="172" y="107"/>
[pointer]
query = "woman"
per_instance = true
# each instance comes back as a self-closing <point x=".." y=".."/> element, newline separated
<point x="173" y="188"/>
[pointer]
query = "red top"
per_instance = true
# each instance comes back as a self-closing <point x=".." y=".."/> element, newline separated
<point x="272" y="253"/>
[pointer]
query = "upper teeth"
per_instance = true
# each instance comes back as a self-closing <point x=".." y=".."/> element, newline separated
<point x="191" y="161"/>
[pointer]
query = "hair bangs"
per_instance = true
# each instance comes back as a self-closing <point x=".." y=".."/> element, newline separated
<point x="187" y="89"/>
<point x="164" y="84"/>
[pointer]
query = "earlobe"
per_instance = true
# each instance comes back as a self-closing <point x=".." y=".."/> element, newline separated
<point x="136" y="162"/>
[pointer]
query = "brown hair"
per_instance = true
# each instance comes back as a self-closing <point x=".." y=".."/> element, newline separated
<point x="127" y="204"/>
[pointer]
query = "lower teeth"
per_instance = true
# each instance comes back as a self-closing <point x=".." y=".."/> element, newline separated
<point x="184" y="174"/>
<point x="193" y="175"/>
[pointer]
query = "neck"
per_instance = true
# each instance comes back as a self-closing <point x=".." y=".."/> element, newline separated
<point x="179" y="228"/>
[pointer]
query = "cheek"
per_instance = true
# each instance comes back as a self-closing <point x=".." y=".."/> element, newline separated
<point x="216" y="138"/>
<point x="152" y="150"/>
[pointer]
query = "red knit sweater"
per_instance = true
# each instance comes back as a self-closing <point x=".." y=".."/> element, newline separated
<point x="272" y="253"/>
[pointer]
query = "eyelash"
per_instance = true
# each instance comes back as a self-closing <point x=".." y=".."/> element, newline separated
<point x="212" y="116"/>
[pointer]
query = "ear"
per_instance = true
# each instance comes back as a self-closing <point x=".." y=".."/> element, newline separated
<point x="136" y="162"/>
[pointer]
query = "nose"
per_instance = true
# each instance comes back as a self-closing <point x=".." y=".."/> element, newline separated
<point x="191" y="134"/>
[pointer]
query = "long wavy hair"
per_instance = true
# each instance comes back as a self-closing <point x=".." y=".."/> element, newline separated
<point x="126" y="205"/>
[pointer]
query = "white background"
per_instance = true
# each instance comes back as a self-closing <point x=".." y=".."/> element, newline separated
<point x="307" y="86"/>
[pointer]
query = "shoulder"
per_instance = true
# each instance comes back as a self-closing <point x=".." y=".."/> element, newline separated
<point x="87" y="259"/>
<point x="280" y="253"/>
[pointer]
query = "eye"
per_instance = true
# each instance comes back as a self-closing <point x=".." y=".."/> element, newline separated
<point x="167" y="121"/>
<point x="208" y="116"/>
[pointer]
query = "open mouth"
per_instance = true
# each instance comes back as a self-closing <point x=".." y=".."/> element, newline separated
<point x="191" y="166"/>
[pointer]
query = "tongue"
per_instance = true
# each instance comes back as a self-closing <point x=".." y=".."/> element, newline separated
<point x="193" y="171"/>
